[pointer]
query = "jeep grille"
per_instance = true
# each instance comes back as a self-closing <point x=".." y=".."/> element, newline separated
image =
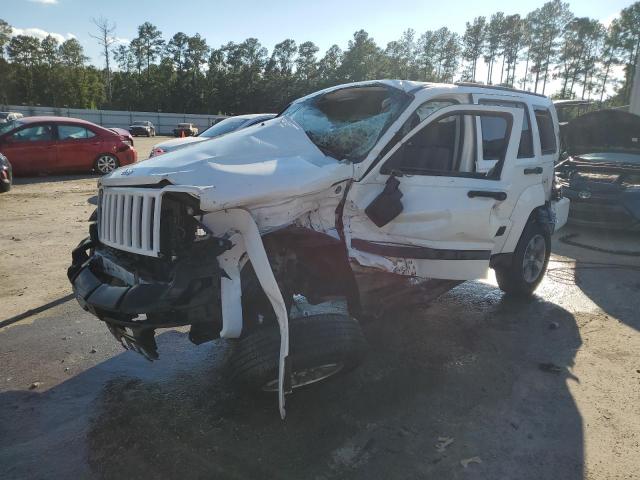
<point x="129" y="219"/>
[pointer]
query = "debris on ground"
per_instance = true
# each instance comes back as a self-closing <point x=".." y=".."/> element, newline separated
<point x="465" y="462"/>
<point x="443" y="443"/>
<point x="549" y="367"/>
<point x="93" y="350"/>
<point x="34" y="385"/>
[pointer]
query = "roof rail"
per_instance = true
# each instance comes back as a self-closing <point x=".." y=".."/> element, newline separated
<point x="497" y="87"/>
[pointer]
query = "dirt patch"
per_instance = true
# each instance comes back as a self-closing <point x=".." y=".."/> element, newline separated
<point x="42" y="220"/>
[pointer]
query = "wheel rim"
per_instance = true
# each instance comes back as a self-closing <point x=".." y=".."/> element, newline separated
<point x="534" y="256"/>
<point x="106" y="164"/>
<point x="307" y="376"/>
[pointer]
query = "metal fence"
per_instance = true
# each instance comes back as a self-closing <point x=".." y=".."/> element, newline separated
<point x="164" y="122"/>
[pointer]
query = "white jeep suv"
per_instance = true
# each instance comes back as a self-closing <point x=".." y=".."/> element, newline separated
<point x="376" y="193"/>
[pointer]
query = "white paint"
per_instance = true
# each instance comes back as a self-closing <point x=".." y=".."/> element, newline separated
<point x="231" y="288"/>
<point x="263" y="163"/>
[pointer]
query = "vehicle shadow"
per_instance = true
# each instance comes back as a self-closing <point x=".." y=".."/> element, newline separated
<point x="53" y="178"/>
<point x="602" y="271"/>
<point x="466" y="368"/>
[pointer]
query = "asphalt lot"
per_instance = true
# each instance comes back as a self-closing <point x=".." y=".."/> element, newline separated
<point x="471" y="367"/>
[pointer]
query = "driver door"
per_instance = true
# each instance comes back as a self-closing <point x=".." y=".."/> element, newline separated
<point x="427" y="209"/>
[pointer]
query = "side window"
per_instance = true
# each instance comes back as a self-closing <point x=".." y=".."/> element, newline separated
<point x="547" y="133"/>
<point x="420" y="114"/>
<point x="494" y="137"/>
<point x="39" y="133"/>
<point x="423" y="111"/>
<point x="446" y="146"/>
<point x="525" y="150"/>
<point x="74" y="132"/>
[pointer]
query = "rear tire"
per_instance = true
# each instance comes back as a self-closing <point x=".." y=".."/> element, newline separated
<point x="528" y="263"/>
<point x="320" y="347"/>
<point x="106" y="163"/>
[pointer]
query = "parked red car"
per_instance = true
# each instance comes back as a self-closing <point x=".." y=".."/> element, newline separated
<point x="36" y="145"/>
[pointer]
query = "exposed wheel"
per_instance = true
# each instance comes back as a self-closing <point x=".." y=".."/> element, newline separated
<point x="106" y="163"/>
<point x="528" y="263"/>
<point x="320" y="347"/>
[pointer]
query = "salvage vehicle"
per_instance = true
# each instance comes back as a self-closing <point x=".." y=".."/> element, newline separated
<point x="368" y="193"/>
<point x="142" y="128"/>
<point x="601" y="171"/>
<point x="40" y="145"/>
<point x="185" y="130"/>
<point x="6" y="174"/>
<point x="224" y="126"/>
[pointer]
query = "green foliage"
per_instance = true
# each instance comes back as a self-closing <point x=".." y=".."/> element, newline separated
<point x="184" y="74"/>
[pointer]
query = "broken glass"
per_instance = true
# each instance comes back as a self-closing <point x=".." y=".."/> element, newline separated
<point x="347" y="123"/>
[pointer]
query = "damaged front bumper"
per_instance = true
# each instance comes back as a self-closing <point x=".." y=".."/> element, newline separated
<point x="134" y="296"/>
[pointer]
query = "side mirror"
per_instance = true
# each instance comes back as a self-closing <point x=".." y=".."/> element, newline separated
<point x="387" y="205"/>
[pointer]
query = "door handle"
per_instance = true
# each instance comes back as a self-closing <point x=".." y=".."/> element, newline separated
<point x="533" y="171"/>
<point x="484" y="193"/>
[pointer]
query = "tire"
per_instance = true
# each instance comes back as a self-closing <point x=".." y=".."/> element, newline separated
<point x="106" y="163"/>
<point x="320" y="347"/>
<point x="149" y="134"/>
<point x="529" y="262"/>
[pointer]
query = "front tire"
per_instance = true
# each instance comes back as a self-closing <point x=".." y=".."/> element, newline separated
<point x="320" y="347"/>
<point x="106" y="163"/>
<point x="529" y="262"/>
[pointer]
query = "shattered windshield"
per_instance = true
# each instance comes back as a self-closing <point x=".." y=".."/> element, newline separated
<point x="347" y="123"/>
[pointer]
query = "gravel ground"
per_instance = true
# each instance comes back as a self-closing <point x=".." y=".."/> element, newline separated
<point x="461" y="388"/>
<point x="42" y="219"/>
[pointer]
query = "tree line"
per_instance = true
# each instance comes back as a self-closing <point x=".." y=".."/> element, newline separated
<point x="587" y="59"/>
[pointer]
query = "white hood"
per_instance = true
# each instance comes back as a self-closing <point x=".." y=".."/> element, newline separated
<point x="260" y="164"/>
<point x="176" y="143"/>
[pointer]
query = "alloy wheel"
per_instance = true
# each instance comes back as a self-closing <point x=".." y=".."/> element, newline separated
<point x="533" y="260"/>
<point x="106" y="164"/>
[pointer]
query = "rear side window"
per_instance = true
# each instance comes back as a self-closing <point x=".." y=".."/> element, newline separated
<point x="547" y="132"/>
<point x="525" y="150"/>
<point x="494" y="137"/>
<point x="74" y="132"/>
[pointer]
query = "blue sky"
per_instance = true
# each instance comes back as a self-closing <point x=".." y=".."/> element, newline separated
<point x="324" y="22"/>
